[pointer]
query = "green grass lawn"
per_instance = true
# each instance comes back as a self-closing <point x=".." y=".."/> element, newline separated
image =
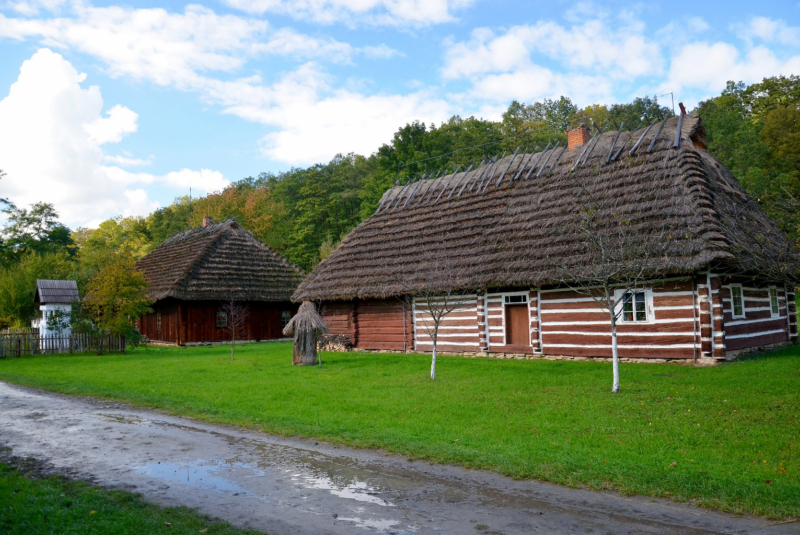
<point x="29" y="506"/>
<point x="725" y="437"/>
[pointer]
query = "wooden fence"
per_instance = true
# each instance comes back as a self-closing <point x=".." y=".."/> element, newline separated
<point x="16" y="345"/>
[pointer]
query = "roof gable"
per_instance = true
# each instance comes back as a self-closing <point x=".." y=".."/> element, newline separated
<point x="218" y="262"/>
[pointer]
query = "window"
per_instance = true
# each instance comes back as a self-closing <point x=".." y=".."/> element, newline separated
<point x="737" y="301"/>
<point x="773" y="302"/>
<point x="634" y="307"/>
<point x="516" y="299"/>
<point x="158" y="321"/>
<point x="222" y="319"/>
<point x="286" y="316"/>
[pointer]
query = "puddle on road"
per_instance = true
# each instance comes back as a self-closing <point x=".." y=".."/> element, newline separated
<point x="120" y="419"/>
<point x="199" y="473"/>
<point x="358" y="491"/>
<point x="381" y="525"/>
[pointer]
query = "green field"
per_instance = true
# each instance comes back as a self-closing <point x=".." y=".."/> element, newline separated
<point x="30" y="505"/>
<point x="725" y="437"/>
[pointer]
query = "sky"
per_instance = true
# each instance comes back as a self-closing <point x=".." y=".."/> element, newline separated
<point x="116" y="109"/>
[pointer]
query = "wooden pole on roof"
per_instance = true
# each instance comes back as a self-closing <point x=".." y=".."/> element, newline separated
<point x="523" y="163"/>
<point x="465" y="175"/>
<point x="538" y="158"/>
<point x="503" y="174"/>
<point x="653" y="142"/>
<point x="544" y="164"/>
<point x="641" y="138"/>
<point x="585" y="148"/>
<point x="560" y="154"/>
<point x="611" y="150"/>
<point x="445" y="186"/>
<point x="479" y="177"/>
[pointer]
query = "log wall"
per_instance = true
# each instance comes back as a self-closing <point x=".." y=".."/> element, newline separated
<point x="572" y="324"/>
<point x="459" y="331"/>
<point x="196" y="321"/>
<point x="759" y="326"/>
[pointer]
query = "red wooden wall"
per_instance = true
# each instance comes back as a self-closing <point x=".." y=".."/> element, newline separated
<point x="195" y="321"/>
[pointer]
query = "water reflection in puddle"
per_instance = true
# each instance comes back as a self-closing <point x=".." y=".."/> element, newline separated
<point x="358" y="491"/>
<point x="199" y="473"/>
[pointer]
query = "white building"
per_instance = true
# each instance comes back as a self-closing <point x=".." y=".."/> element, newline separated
<point x="55" y="300"/>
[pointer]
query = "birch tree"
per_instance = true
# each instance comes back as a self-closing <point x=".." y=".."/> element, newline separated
<point x="621" y="251"/>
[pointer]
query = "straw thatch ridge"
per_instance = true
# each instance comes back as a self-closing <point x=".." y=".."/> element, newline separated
<point x="307" y="320"/>
<point x="523" y="232"/>
<point x="218" y="262"/>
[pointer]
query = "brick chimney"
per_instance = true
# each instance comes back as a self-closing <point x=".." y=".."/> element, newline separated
<point x="577" y="137"/>
<point x="208" y="220"/>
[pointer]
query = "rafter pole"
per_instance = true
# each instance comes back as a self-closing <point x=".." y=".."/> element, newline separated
<point x="538" y="158"/>
<point x="641" y="138"/>
<point x="613" y="143"/>
<point x="454" y="187"/>
<point x="679" y="131"/>
<point x="424" y="189"/>
<point x="488" y="166"/>
<point x="489" y="177"/>
<point x="413" y="192"/>
<point x="553" y="166"/>
<point x="591" y="150"/>
<point x="524" y="162"/>
<point x="544" y="164"/>
<point x="653" y="142"/>
<point x="433" y="190"/>
<point x="503" y="174"/>
<point x="465" y="176"/>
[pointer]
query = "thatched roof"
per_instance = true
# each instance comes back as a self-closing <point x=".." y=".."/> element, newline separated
<point x="218" y="262"/>
<point x="55" y="291"/>
<point x="506" y="230"/>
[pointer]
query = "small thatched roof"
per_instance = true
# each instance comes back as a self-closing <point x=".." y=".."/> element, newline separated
<point x="512" y="227"/>
<point x="306" y="320"/>
<point x="55" y="291"/>
<point x="218" y="262"/>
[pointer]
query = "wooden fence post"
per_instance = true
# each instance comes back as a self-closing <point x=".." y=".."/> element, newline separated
<point x="122" y="349"/>
<point x="19" y="347"/>
<point x="100" y="347"/>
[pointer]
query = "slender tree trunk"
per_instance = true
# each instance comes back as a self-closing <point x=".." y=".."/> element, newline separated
<point x="614" y="352"/>
<point x="233" y="341"/>
<point x="433" y="357"/>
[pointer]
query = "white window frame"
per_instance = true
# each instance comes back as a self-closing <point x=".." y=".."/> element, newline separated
<point x="527" y="302"/>
<point x="774" y="290"/>
<point x="648" y="306"/>
<point x="733" y="301"/>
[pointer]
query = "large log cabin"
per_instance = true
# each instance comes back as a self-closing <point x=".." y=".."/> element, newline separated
<point x="723" y="283"/>
<point x="193" y="274"/>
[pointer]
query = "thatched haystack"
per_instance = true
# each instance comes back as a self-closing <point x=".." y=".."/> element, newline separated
<point x="305" y="326"/>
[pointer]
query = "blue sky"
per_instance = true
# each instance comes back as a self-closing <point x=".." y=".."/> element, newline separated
<point x="110" y="109"/>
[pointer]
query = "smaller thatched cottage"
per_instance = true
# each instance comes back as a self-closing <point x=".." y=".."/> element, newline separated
<point x="193" y="274"/>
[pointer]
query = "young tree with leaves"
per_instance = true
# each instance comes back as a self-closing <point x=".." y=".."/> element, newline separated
<point x="117" y="296"/>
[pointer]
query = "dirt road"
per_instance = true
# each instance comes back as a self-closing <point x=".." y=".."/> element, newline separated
<point x="288" y="486"/>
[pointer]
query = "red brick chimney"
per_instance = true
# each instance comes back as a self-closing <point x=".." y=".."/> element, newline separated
<point x="577" y="137"/>
<point x="208" y="220"/>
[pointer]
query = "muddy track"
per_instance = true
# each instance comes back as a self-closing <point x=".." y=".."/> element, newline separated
<point x="289" y="486"/>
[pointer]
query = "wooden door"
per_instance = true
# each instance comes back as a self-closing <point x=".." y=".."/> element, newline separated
<point x="517" y="325"/>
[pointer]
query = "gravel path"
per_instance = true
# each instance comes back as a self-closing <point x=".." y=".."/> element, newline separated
<point x="289" y="486"/>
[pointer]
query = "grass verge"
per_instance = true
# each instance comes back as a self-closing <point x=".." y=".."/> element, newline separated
<point x="30" y="504"/>
<point x="726" y="437"/>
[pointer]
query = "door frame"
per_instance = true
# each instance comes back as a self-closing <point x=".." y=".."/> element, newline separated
<point x="526" y="294"/>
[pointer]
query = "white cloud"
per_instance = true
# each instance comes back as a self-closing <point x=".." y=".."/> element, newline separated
<point x="593" y="46"/>
<point x="708" y="66"/>
<point x="51" y="133"/>
<point x="33" y="7"/>
<point x="127" y="161"/>
<point x="170" y="49"/>
<point x="769" y="31"/>
<point x="380" y="12"/>
<point x="111" y="129"/>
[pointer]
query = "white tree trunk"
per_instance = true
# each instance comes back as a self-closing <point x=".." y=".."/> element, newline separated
<point x="233" y="342"/>
<point x="614" y="353"/>
<point x="433" y="357"/>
